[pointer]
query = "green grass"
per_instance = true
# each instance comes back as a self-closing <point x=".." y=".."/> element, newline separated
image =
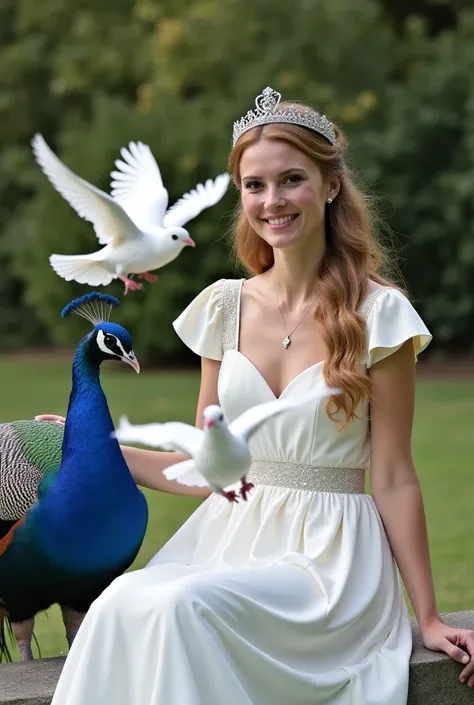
<point x="443" y="450"/>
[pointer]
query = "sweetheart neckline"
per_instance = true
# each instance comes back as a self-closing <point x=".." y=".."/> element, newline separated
<point x="290" y="383"/>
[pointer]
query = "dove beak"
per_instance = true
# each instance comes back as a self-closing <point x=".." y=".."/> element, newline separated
<point x="131" y="360"/>
<point x="208" y="423"/>
<point x="189" y="241"/>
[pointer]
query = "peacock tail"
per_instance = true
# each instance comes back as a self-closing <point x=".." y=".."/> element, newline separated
<point x="29" y="451"/>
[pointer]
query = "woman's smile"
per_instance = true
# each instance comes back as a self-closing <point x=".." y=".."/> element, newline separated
<point x="280" y="222"/>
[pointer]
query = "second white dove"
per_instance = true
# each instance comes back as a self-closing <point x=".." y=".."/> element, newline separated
<point x="220" y="453"/>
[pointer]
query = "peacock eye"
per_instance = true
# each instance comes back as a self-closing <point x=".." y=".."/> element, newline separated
<point x="174" y="237"/>
<point x="109" y="340"/>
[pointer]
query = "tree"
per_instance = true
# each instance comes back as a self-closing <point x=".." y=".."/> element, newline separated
<point x="424" y="161"/>
<point x="206" y="67"/>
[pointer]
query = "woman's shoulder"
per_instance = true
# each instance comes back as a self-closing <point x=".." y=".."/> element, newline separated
<point x="200" y="325"/>
<point x="382" y="293"/>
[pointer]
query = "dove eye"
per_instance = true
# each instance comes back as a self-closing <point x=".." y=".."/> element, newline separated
<point x="174" y="237"/>
<point x="221" y="417"/>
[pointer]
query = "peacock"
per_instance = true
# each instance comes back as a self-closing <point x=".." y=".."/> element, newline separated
<point x="71" y="515"/>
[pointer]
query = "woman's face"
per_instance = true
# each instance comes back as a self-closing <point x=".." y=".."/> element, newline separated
<point x="283" y="194"/>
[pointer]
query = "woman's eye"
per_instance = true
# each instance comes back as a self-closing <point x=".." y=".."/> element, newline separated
<point x="293" y="179"/>
<point x="252" y="185"/>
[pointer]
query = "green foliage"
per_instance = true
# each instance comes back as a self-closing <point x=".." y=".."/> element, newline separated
<point x="175" y="75"/>
<point x="424" y="164"/>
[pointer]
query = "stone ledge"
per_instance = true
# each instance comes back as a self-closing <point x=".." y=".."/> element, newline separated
<point x="29" y="683"/>
<point x="434" y="677"/>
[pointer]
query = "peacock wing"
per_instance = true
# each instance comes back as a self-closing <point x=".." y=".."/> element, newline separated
<point x="30" y="454"/>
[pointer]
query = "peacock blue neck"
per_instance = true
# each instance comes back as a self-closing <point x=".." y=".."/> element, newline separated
<point x="87" y="443"/>
<point x="88" y="415"/>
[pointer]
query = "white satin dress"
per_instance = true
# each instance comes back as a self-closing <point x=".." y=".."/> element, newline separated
<point x="290" y="597"/>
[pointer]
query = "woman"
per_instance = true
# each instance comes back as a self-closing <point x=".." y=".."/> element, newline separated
<point x="293" y="595"/>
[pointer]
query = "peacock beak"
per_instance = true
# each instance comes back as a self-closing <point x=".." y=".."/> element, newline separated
<point x="131" y="360"/>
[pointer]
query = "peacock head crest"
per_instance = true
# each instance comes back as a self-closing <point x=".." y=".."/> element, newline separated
<point x="110" y="340"/>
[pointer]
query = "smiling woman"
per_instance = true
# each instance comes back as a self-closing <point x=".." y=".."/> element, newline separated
<point x="304" y="225"/>
<point x="294" y="594"/>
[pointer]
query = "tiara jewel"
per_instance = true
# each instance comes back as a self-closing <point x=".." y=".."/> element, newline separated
<point x="267" y="112"/>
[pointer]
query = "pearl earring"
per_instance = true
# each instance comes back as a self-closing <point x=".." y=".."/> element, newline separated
<point x="329" y="199"/>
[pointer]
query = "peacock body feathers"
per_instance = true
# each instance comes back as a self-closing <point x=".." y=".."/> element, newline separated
<point x="29" y="450"/>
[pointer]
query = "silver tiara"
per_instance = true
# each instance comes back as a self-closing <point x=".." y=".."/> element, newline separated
<point x="267" y="111"/>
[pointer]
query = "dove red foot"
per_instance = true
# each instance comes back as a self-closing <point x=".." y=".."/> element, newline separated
<point x="130" y="285"/>
<point x="231" y="495"/>
<point x="148" y="277"/>
<point x="245" y="488"/>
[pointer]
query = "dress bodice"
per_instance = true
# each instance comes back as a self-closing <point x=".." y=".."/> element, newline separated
<point x="306" y="435"/>
<point x="210" y="326"/>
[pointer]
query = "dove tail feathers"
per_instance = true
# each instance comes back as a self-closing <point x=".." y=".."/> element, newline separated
<point x="80" y="269"/>
<point x="185" y="473"/>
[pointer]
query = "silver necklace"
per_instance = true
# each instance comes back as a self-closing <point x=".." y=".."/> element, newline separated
<point x="286" y="342"/>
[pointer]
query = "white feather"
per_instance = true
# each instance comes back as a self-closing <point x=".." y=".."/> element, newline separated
<point x="80" y="269"/>
<point x="111" y="223"/>
<point x="185" y="473"/>
<point x="173" y="435"/>
<point x="192" y="203"/>
<point x="138" y="186"/>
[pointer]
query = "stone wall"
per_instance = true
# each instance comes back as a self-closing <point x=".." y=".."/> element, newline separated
<point x="434" y="677"/>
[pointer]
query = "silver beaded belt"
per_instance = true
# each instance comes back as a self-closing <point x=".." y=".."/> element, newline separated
<point x="315" y="478"/>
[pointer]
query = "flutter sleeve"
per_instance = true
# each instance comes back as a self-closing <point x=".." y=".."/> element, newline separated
<point x="391" y="322"/>
<point x="200" y="324"/>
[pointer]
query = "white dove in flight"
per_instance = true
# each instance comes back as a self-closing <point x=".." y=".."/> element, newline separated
<point x="220" y="453"/>
<point x="139" y="231"/>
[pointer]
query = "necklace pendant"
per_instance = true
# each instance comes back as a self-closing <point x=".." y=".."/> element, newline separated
<point x="286" y="342"/>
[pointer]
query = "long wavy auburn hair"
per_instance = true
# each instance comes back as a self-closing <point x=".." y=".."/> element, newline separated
<point x="352" y="256"/>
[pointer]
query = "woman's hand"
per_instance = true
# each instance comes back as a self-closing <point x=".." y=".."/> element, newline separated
<point x="50" y="417"/>
<point x="457" y="643"/>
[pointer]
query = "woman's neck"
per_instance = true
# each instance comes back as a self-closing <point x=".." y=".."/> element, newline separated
<point x="295" y="275"/>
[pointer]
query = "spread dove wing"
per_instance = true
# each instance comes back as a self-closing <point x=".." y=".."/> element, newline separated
<point x="138" y="231"/>
<point x="220" y="453"/>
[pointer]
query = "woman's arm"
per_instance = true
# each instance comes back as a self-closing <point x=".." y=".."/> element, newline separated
<point x="397" y="494"/>
<point x="147" y="468"/>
